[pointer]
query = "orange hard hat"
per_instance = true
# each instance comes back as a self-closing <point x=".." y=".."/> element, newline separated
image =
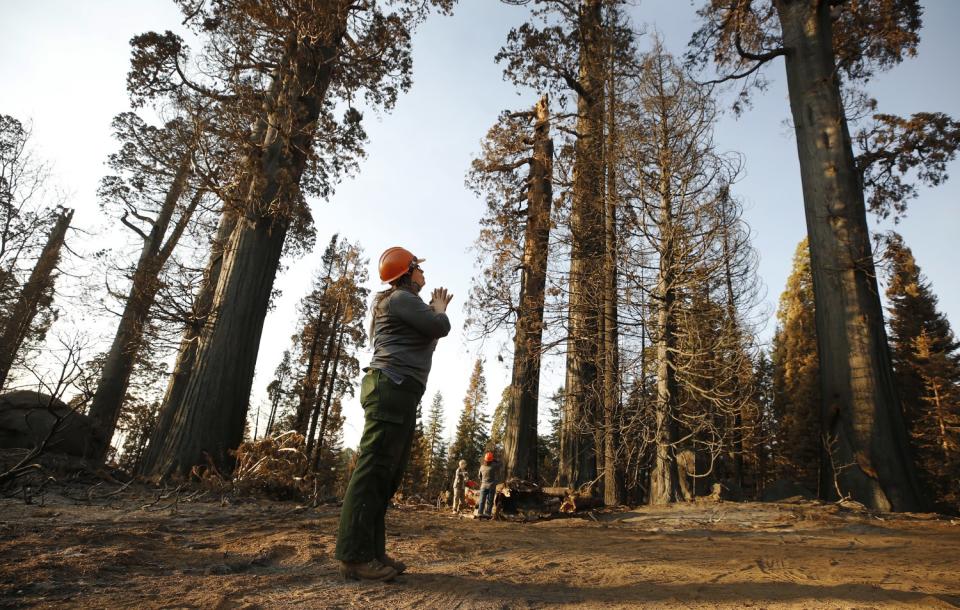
<point x="488" y="457"/>
<point x="395" y="262"/>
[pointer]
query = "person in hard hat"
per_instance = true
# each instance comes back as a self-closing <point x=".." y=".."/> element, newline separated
<point x="488" y="485"/>
<point x="404" y="331"/>
<point x="459" y="485"/>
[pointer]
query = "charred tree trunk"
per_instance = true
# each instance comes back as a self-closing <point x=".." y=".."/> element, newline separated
<point x="186" y="356"/>
<point x="211" y="416"/>
<point x="520" y="440"/>
<point x="738" y="449"/>
<point x="118" y="366"/>
<point x="861" y="416"/>
<point x="308" y="389"/>
<point x="581" y="405"/>
<point x="611" y="367"/>
<point x="324" y="374"/>
<point x="214" y="403"/>
<point x="324" y="417"/>
<point x="273" y="407"/>
<point x="612" y="481"/>
<point x="39" y="287"/>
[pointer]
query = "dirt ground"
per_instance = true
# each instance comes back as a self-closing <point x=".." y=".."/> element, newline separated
<point x="133" y="549"/>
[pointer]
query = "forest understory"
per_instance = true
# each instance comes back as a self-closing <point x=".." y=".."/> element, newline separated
<point x="108" y="547"/>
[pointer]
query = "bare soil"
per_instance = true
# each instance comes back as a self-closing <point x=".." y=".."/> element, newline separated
<point x="130" y="549"/>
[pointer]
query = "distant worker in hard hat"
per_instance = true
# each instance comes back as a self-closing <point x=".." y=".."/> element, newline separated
<point x="404" y="331"/>
<point x="459" y="485"/>
<point x="488" y="485"/>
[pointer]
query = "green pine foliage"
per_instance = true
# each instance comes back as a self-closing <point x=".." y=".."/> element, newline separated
<point x="926" y="357"/>
<point x="435" y="449"/>
<point x="548" y="445"/>
<point x="796" y="378"/>
<point x="472" y="435"/>
<point x="759" y="445"/>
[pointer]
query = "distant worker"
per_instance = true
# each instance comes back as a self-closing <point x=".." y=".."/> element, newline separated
<point x="459" y="485"/>
<point x="488" y="485"/>
<point x="404" y="331"/>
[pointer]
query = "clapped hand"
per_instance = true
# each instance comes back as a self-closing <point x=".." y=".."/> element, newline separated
<point x="439" y="299"/>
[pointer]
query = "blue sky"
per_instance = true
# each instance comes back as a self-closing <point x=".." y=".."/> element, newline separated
<point x="63" y="68"/>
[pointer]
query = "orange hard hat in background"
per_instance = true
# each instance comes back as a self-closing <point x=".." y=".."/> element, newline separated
<point x="488" y="457"/>
<point x="396" y="261"/>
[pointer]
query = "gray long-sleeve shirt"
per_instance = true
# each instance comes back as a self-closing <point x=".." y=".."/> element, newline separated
<point x="405" y="333"/>
<point x="489" y="475"/>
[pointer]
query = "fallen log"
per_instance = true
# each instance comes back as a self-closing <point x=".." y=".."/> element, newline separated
<point x="519" y="496"/>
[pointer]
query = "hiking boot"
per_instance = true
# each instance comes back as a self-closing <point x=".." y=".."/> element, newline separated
<point x="366" y="570"/>
<point x="390" y="562"/>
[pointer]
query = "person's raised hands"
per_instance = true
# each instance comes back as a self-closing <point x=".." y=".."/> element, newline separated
<point x="439" y="299"/>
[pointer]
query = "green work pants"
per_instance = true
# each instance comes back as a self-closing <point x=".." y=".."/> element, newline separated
<point x="390" y="413"/>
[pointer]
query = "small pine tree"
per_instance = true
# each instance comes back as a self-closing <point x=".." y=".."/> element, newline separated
<point x="436" y="449"/>
<point x="472" y="435"/>
<point x="280" y="392"/>
<point x="927" y="366"/>
<point x="548" y="446"/>
<point x="760" y="445"/>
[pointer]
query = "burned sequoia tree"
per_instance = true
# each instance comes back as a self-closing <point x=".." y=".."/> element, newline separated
<point x="828" y="48"/>
<point x="152" y="193"/>
<point x="294" y="61"/>
<point x="517" y="237"/>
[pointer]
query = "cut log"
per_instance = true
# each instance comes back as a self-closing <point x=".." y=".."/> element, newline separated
<point x="574" y="502"/>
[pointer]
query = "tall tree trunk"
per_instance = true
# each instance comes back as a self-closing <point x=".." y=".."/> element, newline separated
<point x="581" y="405"/>
<point x="186" y="355"/>
<point x="738" y="466"/>
<point x="324" y="375"/>
<point x="733" y="327"/>
<point x="520" y="438"/>
<point x="612" y="481"/>
<point x="761" y="455"/>
<point x="663" y="476"/>
<point x="324" y="418"/>
<point x="118" y="366"/>
<point x="308" y="389"/>
<point x="211" y="417"/>
<point x="861" y="417"/>
<point x="38" y="286"/>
